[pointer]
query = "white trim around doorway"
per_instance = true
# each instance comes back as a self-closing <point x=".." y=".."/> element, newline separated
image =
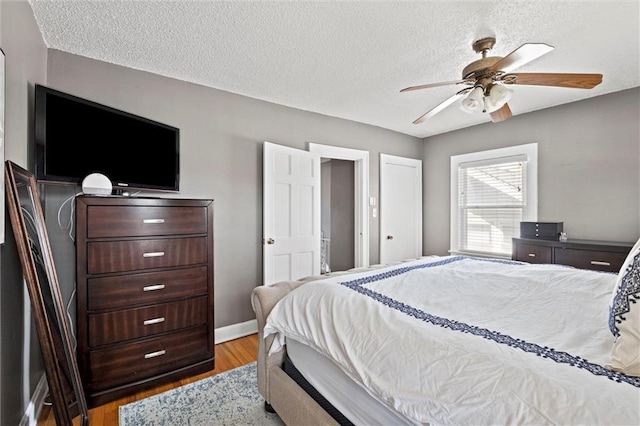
<point x="361" y="192"/>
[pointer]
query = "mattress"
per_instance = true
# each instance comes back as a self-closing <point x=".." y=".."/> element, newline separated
<point x="347" y="396"/>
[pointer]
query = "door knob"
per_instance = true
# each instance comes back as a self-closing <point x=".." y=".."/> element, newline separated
<point x="389" y="237"/>
<point x="271" y="241"/>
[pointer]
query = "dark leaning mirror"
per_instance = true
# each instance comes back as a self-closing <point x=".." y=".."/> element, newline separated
<point x="47" y="306"/>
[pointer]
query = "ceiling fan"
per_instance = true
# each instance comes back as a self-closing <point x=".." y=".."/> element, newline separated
<point x="487" y="80"/>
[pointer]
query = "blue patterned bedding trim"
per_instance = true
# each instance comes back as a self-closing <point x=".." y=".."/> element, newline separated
<point x="542" y="351"/>
<point x="628" y="292"/>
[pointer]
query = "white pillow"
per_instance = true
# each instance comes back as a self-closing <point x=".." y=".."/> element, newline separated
<point x="624" y="316"/>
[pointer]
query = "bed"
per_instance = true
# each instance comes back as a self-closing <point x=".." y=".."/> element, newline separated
<point x="453" y="340"/>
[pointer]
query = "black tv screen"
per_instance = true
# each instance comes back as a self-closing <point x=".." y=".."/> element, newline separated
<point x="75" y="137"/>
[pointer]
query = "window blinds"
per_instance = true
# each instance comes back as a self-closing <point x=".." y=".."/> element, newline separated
<point x="490" y="203"/>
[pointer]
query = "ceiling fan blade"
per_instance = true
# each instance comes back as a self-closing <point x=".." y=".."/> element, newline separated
<point x="501" y="114"/>
<point x="440" y="107"/>
<point x="575" y="81"/>
<point x="427" y="86"/>
<point x="522" y="55"/>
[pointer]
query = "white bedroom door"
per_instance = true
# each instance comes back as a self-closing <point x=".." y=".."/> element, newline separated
<point x="291" y="213"/>
<point x="400" y="208"/>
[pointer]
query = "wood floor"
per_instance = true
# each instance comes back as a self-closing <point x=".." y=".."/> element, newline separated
<point x="229" y="355"/>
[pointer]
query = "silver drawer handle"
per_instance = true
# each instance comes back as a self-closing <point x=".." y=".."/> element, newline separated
<point x="153" y="287"/>
<point x="153" y="221"/>
<point x="154" y="354"/>
<point x="599" y="263"/>
<point x="153" y="254"/>
<point x="532" y="255"/>
<point x="154" y="321"/>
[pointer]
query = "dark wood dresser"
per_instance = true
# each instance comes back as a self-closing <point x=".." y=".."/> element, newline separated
<point x="585" y="254"/>
<point x="144" y="292"/>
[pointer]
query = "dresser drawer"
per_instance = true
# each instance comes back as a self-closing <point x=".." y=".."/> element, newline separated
<point x="533" y="253"/>
<point x="590" y="259"/>
<point x="119" y="326"/>
<point x="145" y="288"/>
<point x="132" y="221"/>
<point x="120" y="256"/>
<point x="139" y="360"/>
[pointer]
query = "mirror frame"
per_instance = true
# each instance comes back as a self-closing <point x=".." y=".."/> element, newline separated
<point x="47" y="305"/>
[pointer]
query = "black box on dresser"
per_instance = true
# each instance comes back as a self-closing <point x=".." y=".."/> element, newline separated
<point x="145" y="313"/>
<point x="542" y="230"/>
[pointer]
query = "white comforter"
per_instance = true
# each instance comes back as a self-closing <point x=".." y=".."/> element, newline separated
<point x="454" y="340"/>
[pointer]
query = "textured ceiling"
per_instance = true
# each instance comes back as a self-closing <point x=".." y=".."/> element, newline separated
<point x="349" y="59"/>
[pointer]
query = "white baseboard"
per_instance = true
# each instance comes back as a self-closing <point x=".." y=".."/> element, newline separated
<point x="30" y="417"/>
<point x="235" y="331"/>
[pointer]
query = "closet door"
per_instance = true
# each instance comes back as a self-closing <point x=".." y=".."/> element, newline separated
<point x="400" y="208"/>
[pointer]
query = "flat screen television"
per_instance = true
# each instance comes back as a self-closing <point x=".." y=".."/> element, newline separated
<point x="75" y="137"/>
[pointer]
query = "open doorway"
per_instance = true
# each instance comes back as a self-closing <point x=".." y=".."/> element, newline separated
<point x="348" y="246"/>
<point x="337" y="214"/>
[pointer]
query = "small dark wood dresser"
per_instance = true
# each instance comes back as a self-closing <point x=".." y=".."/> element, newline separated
<point x="605" y="256"/>
<point x="144" y="292"/>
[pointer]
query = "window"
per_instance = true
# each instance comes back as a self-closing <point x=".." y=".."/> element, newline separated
<point x="491" y="193"/>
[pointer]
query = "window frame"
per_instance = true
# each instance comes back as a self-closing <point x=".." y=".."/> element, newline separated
<point x="530" y="210"/>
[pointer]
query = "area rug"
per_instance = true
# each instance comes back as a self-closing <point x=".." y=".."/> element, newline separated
<point x="229" y="398"/>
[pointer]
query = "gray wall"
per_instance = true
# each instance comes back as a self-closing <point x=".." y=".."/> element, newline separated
<point x="325" y="202"/>
<point x="588" y="167"/>
<point x="221" y="156"/>
<point x="26" y="61"/>
<point x="338" y="211"/>
<point x="342" y="215"/>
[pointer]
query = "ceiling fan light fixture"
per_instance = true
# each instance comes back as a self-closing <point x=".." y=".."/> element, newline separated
<point x="488" y="80"/>
<point x="473" y="102"/>
<point x="498" y="95"/>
